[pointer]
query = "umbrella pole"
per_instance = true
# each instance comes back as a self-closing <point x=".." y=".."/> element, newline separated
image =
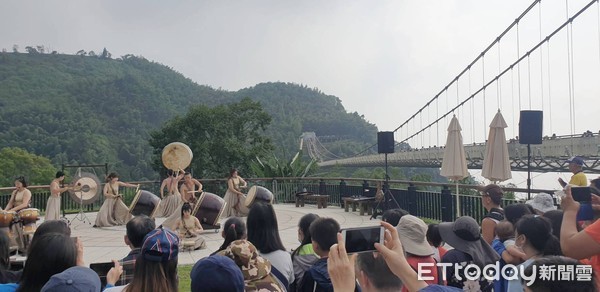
<point x="457" y="201"/>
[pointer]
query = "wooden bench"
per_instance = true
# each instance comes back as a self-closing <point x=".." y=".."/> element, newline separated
<point x="321" y="200"/>
<point x="363" y="203"/>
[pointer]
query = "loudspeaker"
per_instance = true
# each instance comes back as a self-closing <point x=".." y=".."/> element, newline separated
<point x="530" y="127"/>
<point x="385" y="142"/>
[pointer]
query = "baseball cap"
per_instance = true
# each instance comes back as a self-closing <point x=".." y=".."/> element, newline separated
<point x="76" y="279"/>
<point x="575" y="160"/>
<point x="217" y="273"/>
<point x="160" y="245"/>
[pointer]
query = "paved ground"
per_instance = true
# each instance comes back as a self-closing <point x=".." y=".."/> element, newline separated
<point x="104" y="244"/>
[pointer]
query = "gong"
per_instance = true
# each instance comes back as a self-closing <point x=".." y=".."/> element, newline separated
<point x="86" y="188"/>
<point x="177" y="156"/>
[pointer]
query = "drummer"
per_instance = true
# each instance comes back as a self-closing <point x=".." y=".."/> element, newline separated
<point x="188" y="188"/>
<point x="19" y="200"/>
<point x="234" y="197"/>
<point x="171" y="203"/>
<point x="53" y="205"/>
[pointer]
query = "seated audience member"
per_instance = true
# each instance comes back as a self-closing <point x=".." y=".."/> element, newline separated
<point x="53" y="226"/>
<point x="374" y="275"/>
<point x="255" y="269"/>
<point x="342" y="268"/>
<point x="6" y="275"/>
<point x="136" y="229"/>
<point x="189" y="229"/>
<point x="74" y="279"/>
<point x="263" y="232"/>
<point x="556" y="218"/>
<point x="418" y="251"/>
<point x="491" y="199"/>
<point x="506" y="235"/>
<point x="469" y="248"/>
<point x="542" y="203"/>
<point x="554" y="284"/>
<point x="217" y="273"/>
<point x="435" y="240"/>
<point x="49" y="254"/>
<point x="392" y="216"/>
<point x="233" y="229"/>
<point x="514" y="212"/>
<point x="324" y="235"/>
<point x="304" y="256"/>
<point x="156" y="265"/>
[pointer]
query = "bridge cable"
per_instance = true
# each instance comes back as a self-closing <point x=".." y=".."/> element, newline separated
<point x="484" y="103"/>
<point x="569" y="77"/>
<point x="529" y="80"/>
<point x="541" y="59"/>
<point x="518" y="71"/>
<point x="498" y="89"/>
<point x="549" y="88"/>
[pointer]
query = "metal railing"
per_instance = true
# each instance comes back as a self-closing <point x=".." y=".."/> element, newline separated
<point x="435" y="201"/>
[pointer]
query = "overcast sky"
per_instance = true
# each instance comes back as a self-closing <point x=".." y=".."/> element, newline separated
<point x="383" y="59"/>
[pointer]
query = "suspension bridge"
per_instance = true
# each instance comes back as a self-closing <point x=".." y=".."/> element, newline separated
<point x="535" y="63"/>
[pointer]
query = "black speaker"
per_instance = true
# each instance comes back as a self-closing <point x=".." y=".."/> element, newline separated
<point x="385" y="142"/>
<point x="530" y="127"/>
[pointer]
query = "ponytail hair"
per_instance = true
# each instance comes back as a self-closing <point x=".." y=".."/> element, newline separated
<point x="538" y="231"/>
<point x="111" y="176"/>
<point x="22" y="180"/>
<point x="234" y="229"/>
<point x="304" y="226"/>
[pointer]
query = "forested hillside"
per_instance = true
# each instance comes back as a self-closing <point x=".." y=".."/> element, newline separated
<point x="90" y="109"/>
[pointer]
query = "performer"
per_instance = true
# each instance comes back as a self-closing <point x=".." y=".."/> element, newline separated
<point x="189" y="228"/>
<point x="188" y="189"/>
<point x="53" y="205"/>
<point x="234" y="198"/>
<point x="113" y="211"/>
<point x="170" y="205"/>
<point x="19" y="200"/>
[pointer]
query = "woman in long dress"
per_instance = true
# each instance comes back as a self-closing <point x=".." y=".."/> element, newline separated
<point x="234" y="198"/>
<point x="113" y="211"/>
<point x="189" y="228"/>
<point x="19" y="200"/>
<point x="170" y="203"/>
<point x="53" y="205"/>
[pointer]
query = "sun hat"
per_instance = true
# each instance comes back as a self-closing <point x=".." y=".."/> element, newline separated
<point x="245" y="255"/>
<point x="575" y="160"/>
<point x="76" y="279"/>
<point x="542" y="202"/>
<point x="217" y="273"/>
<point x="160" y="245"/>
<point x="412" y="231"/>
<point x="464" y="235"/>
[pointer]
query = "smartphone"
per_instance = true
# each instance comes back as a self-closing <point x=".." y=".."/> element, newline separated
<point x="362" y="239"/>
<point x="102" y="270"/>
<point x="581" y="194"/>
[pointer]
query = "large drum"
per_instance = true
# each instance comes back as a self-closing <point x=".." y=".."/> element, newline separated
<point x="29" y="215"/>
<point x="145" y="203"/>
<point x="208" y="209"/>
<point x="258" y="194"/>
<point x="7" y="217"/>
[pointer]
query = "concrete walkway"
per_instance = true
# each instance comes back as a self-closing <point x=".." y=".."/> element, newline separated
<point x="104" y="244"/>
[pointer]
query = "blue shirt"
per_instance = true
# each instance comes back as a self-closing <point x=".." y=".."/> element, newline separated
<point x="9" y="287"/>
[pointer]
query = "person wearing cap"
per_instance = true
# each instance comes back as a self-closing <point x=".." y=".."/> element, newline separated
<point x="53" y="205"/>
<point x="576" y="167"/>
<point x="217" y="273"/>
<point x="542" y="203"/>
<point x="413" y="236"/>
<point x="74" y="279"/>
<point x="491" y="199"/>
<point x="469" y="248"/>
<point x="255" y="269"/>
<point x="155" y="267"/>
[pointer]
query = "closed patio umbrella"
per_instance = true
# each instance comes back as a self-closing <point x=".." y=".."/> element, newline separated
<point x="454" y="164"/>
<point x="496" y="162"/>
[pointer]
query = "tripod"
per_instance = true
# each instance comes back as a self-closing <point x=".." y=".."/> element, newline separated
<point x="81" y="215"/>
<point x="387" y="194"/>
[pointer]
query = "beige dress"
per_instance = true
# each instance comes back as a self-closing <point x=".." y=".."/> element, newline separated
<point x="17" y="236"/>
<point x="171" y="204"/>
<point x="53" y="207"/>
<point x="113" y="211"/>
<point x="232" y="199"/>
<point x="188" y="238"/>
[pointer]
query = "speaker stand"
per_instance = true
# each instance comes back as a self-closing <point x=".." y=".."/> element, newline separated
<point x="528" y="171"/>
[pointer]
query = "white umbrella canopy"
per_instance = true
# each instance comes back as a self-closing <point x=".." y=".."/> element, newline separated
<point x="454" y="164"/>
<point x="496" y="162"/>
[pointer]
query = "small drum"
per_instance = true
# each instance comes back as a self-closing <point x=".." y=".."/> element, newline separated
<point x="208" y="209"/>
<point x="29" y="215"/>
<point x="258" y="193"/>
<point x="7" y="217"/>
<point x="144" y="203"/>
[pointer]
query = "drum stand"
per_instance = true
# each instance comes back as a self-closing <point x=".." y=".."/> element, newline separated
<point x="81" y="215"/>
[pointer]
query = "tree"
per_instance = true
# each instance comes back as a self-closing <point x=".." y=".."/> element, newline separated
<point x="105" y="54"/>
<point x="81" y="53"/>
<point x="221" y="137"/>
<point x="31" y="50"/>
<point x="15" y="48"/>
<point x="17" y="162"/>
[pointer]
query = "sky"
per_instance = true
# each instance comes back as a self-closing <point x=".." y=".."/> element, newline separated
<point x="383" y="59"/>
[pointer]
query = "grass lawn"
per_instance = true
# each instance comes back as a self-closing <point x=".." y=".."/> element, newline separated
<point x="184" y="277"/>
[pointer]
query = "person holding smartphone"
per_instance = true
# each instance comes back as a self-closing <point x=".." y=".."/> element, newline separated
<point x="576" y="167"/>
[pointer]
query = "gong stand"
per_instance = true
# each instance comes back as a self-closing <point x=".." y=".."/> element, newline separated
<point x="81" y="216"/>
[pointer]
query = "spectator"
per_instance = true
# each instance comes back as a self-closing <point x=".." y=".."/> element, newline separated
<point x="374" y="275"/>
<point x="418" y="251"/>
<point x="534" y="237"/>
<point x="304" y="256"/>
<point x="49" y="254"/>
<point x="73" y="279"/>
<point x="217" y="273"/>
<point x="6" y="276"/>
<point x="136" y="230"/>
<point x="435" y="240"/>
<point x="542" y="203"/>
<point x="491" y="198"/>
<point x="469" y="248"/>
<point x="156" y="265"/>
<point x="556" y="218"/>
<point x="392" y="216"/>
<point x="233" y="229"/>
<point x="553" y="284"/>
<point x="514" y="212"/>
<point x="263" y="232"/>
<point x="576" y="167"/>
<point x="255" y="269"/>
<point x="53" y="226"/>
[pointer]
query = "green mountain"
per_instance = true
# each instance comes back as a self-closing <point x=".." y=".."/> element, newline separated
<point x="95" y="110"/>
